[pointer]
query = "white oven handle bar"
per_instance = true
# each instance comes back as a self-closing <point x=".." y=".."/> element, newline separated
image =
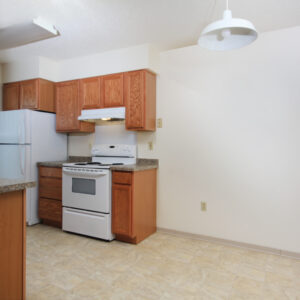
<point x="90" y="213"/>
<point x="84" y="173"/>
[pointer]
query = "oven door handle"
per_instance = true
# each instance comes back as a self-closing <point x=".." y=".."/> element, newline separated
<point x="90" y="213"/>
<point x="84" y="174"/>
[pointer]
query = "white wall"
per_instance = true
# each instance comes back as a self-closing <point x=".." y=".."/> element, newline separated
<point x="120" y="60"/>
<point x="21" y="70"/>
<point x="231" y="137"/>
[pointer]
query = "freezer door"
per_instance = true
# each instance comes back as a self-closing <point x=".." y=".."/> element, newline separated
<point x="15" y="127"/>
<point x="15" y="161"/>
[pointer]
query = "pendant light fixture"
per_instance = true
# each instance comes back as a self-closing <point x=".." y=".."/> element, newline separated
<point x="228" y="33"/>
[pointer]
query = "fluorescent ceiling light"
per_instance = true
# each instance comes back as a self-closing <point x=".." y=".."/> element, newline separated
<point x="228" y="33"/>
<point x="25" y="33"/>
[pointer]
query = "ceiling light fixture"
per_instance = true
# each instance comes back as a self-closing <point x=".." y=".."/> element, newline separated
<point x="228" y="33"/>
<point x="21" y="34"/>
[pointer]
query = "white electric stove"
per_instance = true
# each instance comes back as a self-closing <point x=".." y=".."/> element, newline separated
<point x="87" y="190"/>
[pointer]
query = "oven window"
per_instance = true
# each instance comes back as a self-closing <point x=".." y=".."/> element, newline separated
<point x="84" y="186"/>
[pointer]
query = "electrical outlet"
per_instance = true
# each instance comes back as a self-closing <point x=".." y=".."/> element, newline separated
<point x="159" y="123"/>
<point x="150" y="144"/>
<point x="203" y="206"/>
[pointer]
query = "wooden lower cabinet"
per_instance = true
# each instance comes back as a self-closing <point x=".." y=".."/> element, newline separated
<point x="12" y="245"/>
<point x="133" y="205"/>
<point x="122" y="209"/>
<point x="50" y="195"/>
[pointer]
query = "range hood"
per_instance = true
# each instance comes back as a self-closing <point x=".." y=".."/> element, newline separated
<point x="103" y="114"/>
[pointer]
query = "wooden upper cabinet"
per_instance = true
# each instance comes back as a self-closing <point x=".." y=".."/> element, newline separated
<point x="29" y="94"/>
<point x="11" y="92"/>
<point x="68" y="108"/>
<point x="140" y="100"/>
<point x="46" y="95"/>
<point x="90" y="93"/>
<point x="112" y="90"/>
<point x="37" y="94"/>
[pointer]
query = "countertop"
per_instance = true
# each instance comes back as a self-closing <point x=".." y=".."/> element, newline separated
<point x="142" y="164"/>
<point x="59" y="163"/>
<point x="11" y="185"/>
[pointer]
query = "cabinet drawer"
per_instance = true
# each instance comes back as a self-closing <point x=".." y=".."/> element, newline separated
<point x="50" y="188"/>
<point x="51" y="172"/>
<point x="50" y="210"/>
<point x="122" y="177"/>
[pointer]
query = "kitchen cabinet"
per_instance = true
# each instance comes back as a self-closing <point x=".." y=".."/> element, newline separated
<point x="112" y="90"/>
<point x="68" y="108"/>
<point x="37" y="94"/>
<point x="90" y="93"/>
<point x="102" y="92"/>
<point x="140" y="100"/>
<point x="50" y="195"/>
<point x="29" y="94"/>
<point x="133" y="205"/>
<point x="12" y="245"/>
<point x="11" y="92"/>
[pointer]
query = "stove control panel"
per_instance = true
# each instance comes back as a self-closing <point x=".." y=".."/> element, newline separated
<point x="117" y="150"/>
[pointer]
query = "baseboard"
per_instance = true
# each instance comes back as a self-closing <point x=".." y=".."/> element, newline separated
<point x="230" y="243"/>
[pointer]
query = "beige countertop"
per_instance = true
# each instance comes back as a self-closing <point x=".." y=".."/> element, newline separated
<point x="142" y="164"/>
<point x="11" y="185"/>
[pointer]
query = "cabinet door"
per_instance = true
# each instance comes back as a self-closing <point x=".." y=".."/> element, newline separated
<point x="90" y="93"/>
<point x="122" y="209"/>
<point x="12" y="245"/>
<point x="67" y="109"/>
<point x="112" y="90"/>
<point x="29" y="94"/>
<point x="11" y="95"/>
<point x="46" y="95"/>
<point x="50" y="209"/>
<point x="134" y="99"/>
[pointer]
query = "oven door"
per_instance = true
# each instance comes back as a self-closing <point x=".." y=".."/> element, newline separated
<point x="87" y="189"/>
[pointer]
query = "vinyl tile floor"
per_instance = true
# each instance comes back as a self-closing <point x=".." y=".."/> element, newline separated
<point x="66" y="266"/>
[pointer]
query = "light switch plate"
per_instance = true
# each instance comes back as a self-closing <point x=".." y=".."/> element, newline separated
<point x="150" y="144"/>
<point x="159" y="123"/>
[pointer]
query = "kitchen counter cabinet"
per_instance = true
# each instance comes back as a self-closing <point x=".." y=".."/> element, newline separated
<point x="68" y="108"/>
<point x="13" y="243"/>
<point x="36" y="94"/>
<point x="50" y="195"/>
<point x="140" y="100"/>
<point x="133" y="205"/>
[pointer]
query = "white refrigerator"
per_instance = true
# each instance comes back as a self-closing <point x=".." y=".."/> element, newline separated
<point x="27" y="137"/>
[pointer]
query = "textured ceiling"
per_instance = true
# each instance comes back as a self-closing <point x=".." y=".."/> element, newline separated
<point x="91" y="26"/>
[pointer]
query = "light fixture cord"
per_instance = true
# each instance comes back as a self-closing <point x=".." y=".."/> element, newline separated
<point x="227" y="6"/>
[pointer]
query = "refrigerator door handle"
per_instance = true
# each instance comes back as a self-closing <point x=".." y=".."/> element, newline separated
<point x="21" y="160"/>
<point x="21" y="132"/>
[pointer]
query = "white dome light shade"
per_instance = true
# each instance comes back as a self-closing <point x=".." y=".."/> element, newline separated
<point x="227" y="34"/>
